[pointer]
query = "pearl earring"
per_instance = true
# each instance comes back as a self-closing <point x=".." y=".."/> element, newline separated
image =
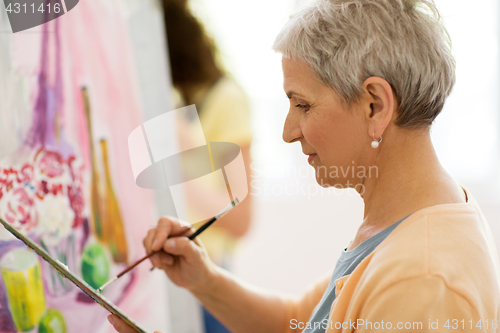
<point x="376" y="143"/>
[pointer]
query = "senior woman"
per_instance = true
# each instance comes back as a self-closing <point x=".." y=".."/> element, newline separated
<point x="366" y="79"/>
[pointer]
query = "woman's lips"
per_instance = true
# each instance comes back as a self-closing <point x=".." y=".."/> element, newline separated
<point x="311" y="158"/>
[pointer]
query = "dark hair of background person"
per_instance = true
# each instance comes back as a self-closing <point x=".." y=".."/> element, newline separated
<point x="192" y="51"/>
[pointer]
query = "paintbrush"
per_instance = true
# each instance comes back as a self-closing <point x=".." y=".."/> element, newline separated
<point x="191" y="237"/>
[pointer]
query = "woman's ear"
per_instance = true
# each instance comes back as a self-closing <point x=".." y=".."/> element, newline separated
<point x="382" y="105"/>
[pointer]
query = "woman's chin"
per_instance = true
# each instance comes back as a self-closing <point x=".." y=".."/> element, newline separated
<point x="327" y="182"/>
<point x="337" y="183"/>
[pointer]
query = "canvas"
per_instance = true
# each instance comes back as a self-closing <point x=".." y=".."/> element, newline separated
<point x="68" y="101"/>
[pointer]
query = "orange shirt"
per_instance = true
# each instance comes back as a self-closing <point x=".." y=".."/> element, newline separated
<point x="438" y="271"/>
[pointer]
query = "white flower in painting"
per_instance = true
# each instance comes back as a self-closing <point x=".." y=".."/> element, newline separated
<point x="55" y="219"/>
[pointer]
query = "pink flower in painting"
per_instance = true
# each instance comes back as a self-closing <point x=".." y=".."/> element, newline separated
<point x="26" y="174"/>
<point x="17" y="207"/>
<point x="51" y="164"/>
<point x="24" y="190"/>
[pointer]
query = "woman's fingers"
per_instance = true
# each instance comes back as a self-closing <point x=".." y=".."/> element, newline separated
<point x="163" y="230"/>
<point x="167" y="259"/>
<point x="161" y="258"/>
<point x="156" y="238"/>
<point x="148" y="240"/>
<point x="181" y="246"/>
<point x="167" y="227"/>
<point x="119" y="325"/>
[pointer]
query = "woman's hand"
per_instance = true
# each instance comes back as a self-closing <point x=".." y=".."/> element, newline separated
<point x="120" y="326"/>
<point x="186" y="262"/>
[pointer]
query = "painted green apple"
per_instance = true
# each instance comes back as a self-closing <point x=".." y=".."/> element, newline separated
<point x="52" y="322"/>
<point x="95" y="265"/>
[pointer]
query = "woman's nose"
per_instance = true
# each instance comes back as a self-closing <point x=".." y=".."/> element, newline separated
<point x="291" y="130"/>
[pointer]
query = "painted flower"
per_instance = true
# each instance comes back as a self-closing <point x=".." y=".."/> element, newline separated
<point x="55" y="219"/>
<point x="50" y="164"/>
<point x="17" y="208"/>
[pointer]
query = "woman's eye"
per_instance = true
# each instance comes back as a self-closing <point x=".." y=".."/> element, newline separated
<point x="303" y="106"/>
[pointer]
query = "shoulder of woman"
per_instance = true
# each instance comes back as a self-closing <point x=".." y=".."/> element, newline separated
<point x="441" y="243"/>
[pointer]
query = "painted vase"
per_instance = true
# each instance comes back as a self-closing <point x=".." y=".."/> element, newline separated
<point x="23" y="281"/>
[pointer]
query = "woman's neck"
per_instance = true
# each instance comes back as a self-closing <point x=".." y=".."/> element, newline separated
<point x="410" y="178"/>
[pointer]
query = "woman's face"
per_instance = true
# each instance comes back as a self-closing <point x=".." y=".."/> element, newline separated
<point x="334" y="137"/>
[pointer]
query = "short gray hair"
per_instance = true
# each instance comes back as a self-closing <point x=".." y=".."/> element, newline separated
<point x="402" y="41"/>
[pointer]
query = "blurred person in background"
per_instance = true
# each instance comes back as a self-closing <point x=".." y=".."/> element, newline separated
<point x="224" y="112"/>
<point x="424" y="255"/>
